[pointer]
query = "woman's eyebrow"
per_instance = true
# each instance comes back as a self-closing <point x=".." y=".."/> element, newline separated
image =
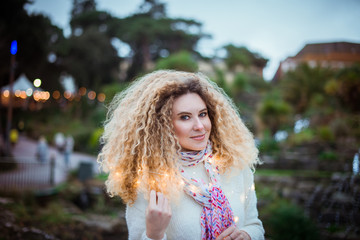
<point x="180" y="113"/>
<point x="189" y="113"/>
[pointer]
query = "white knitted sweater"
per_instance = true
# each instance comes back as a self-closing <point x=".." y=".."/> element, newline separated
<point x="238" y="187"/>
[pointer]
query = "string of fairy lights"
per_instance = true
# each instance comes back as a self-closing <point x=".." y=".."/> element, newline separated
<point x="43" y="96"/>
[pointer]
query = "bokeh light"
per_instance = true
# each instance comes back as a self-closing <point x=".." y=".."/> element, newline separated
<point x="23" y="94"/>
<point x="37" y="82"/>
<point x="17" y="93"/>
<point x="56" y="94"/>
<point x="91" y="95"/>
<point x="29" y="92"/>
<point x="82" y="91"/>
<point x="67" y="94"/>
<point x="6" y="93"/>
<point x="101" y="97"/>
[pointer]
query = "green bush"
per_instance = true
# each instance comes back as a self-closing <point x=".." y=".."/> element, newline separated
<point x="328" y="156"/>
<point x="340" y="128"/>
<point x="221" y="81"/>
<point x="305" y="136"/>
<point x="325" y="134"/>
<point x="287" y="221"/>
<point x="240" y="82"/>
<point x="269" y="145"/>
<point x="95" y="137"/>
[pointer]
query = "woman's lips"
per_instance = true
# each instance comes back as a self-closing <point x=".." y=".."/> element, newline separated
<point x="199" y="137"/>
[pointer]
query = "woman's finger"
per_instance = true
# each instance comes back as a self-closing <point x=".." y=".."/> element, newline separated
<point x="152" y="199"/>
<point x="226" y="233"/>
<point x="160" y="200"/>
<point x="236" y="234"/>
<point x="244" y="235"/>
<point x="157" y="215"/>
<point x="165" y="204"/>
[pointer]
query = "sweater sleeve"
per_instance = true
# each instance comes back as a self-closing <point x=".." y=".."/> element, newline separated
<point x="253" y="226"/>
<point x="136" y="219"/>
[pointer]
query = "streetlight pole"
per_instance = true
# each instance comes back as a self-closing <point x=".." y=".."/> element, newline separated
<point x="13" y="51"/>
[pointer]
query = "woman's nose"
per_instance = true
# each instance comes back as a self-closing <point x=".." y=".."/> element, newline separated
<point x="198" y="125"/>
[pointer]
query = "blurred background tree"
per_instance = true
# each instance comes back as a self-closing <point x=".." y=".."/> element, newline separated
<point x="181" y="61"/>
<point x="302" y="85"/>
<point x="37" y="40"/>
<point x="275" y="113"/>
<point x="152" y="35"/>
<point x="242" y="56"/>
<point x="88" y="54"/>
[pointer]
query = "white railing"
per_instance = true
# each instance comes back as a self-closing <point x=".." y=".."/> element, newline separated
<point x="28" y="174"/>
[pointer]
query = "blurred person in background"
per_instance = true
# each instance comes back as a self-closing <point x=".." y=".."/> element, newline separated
<point x="42" y="150"/>
<point x="180" y="157"/>
<point x="68" y="149"/>
<point x="59" y="141"/>
<point x="14" y="136"/>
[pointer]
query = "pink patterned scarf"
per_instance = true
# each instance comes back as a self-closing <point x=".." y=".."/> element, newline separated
<point x="217" y="214"/>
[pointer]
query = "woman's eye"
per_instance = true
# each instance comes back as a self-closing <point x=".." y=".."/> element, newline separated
<point x="184" y="117"/>
<point x="203" y="114"/>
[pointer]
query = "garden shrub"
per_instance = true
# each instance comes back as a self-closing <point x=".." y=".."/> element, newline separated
<point x="269" y="145"/>
<point x="305" y="136"/>
<point x="339" y="127"/>
<point x="94" y="140"/>
<point x="288" y="221"/>
<point x="240" y="83"/>
<point x="325" y="134"/>
<point x="328" y="156"/>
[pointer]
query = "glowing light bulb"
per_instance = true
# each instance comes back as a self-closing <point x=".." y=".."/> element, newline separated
<point x="37" y="82"/>
<point x="56" y="94"/>
<point x="6" y="93"/>
<point x="101" y="97"/>
<point x="29" y="92"/>
<point x="91" y="95"/>
<point x="82" y="91"/>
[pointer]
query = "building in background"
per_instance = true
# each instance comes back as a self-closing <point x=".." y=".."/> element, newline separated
<point x="335" y="55"/>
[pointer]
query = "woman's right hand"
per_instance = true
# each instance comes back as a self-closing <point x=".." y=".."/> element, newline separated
<point x="158" y="215"/>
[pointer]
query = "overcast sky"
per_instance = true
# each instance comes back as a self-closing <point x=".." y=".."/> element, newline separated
<point x="275" y="29"/>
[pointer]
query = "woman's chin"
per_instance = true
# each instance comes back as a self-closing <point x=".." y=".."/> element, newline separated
<point x="194" y="147"/>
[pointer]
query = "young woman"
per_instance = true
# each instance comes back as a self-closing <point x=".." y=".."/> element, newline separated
<point x="180" y="157"/>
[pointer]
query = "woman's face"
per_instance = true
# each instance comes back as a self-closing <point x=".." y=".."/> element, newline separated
<point x="191" y="122"/>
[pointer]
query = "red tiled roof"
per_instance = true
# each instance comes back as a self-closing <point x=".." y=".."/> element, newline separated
<point x="331" y="51"/>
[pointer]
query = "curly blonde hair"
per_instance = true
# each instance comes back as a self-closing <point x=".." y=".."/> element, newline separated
<point x="140" y="147"/>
